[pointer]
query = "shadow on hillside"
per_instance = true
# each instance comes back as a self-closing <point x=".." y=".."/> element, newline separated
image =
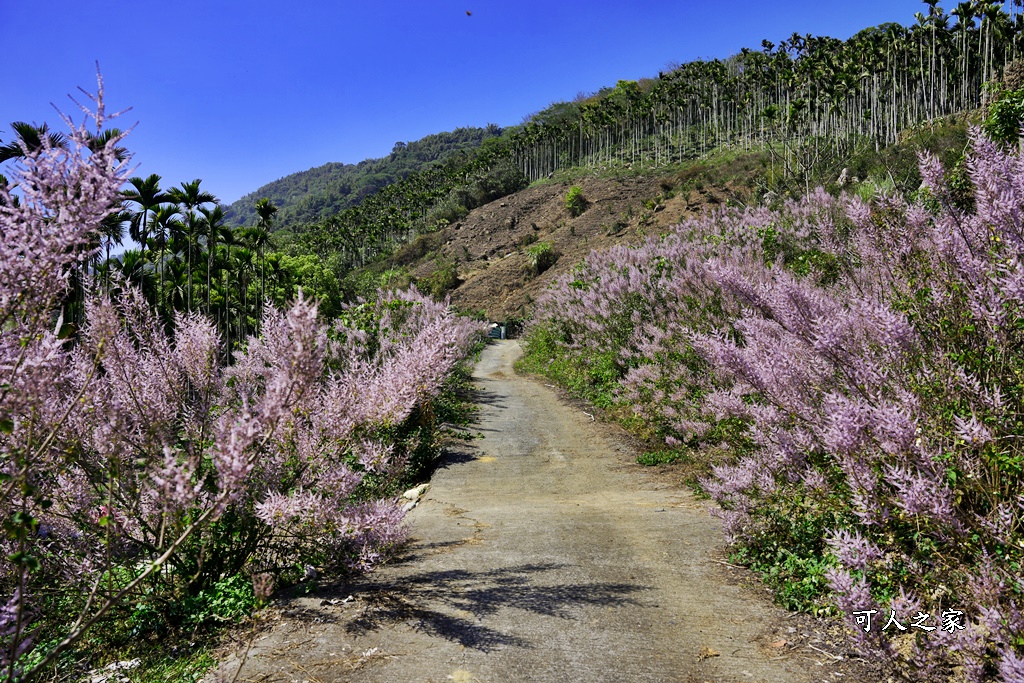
<point x="450" y="604"/>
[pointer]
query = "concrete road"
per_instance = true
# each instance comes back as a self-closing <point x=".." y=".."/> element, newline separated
<point x="540" y="553"/>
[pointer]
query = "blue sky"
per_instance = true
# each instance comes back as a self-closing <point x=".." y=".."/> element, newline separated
<point x="242" y="92"/>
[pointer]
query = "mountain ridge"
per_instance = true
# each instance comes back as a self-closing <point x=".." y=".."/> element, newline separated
<point x="322" y="191"/>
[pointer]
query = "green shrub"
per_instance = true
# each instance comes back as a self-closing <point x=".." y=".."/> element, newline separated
<point x="575" y="202"/>
<point x="444" y="279"/>
<point x="1005" y="116"/>
<point x="540" y="257"/>
<point x="229" y="599"/>
<point x="787" y="547"/>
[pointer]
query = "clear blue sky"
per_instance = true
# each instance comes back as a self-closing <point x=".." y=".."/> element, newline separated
<point x="242" y="92"/>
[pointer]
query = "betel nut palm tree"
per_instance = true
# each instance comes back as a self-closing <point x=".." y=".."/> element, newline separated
<point x="146" y="195"/>
<point x="265" y="211"/>
<point x="211" y="220"/>
<point x="190" y="197"/>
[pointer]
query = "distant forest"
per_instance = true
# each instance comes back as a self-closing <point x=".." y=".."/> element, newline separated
<point x="309" y="196"/>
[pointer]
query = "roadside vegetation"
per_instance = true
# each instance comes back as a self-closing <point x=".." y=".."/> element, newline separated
<point x="848" y="373"/>
<point x="162" y="470"/>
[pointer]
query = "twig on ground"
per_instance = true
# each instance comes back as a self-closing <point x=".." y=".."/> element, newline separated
<point x="828" y="654"/>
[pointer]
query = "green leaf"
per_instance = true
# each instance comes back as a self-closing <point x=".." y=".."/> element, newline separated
<point x="23" y="559"/>
<point x="23" y="519"/>
<point x="6" y="426"/>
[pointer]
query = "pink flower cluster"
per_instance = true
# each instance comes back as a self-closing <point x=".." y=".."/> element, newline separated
<point x="154" y="454"/>
<point x="864" y="358"/>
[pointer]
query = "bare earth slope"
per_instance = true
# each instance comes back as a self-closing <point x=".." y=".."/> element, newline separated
<point x="490" y="244"/>
<point x="540" y="553"/>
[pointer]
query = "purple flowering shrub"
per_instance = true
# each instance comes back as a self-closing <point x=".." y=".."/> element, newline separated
<point x="140" y="465"/>
<point x="864" y="365"/>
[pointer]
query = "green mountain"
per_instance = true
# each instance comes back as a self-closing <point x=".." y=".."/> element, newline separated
<point x="309" y="196"/>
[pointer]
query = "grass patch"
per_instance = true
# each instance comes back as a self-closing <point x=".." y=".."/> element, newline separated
<point x="786" y="546"/>
<point x="186" y="668"/>
<point x="655" y="458"/>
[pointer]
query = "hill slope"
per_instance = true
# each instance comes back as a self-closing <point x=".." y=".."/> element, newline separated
<point x="812" y="101"/>
<point x="489" y="249"/>
<point x="308" y="196"/>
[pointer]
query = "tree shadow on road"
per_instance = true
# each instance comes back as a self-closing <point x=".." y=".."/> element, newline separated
<point x="483" y="396"/>
<point x="455" y="455"/>
<point x="452" y="603"/>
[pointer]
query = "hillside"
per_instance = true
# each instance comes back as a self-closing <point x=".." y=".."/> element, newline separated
<point x="809" y="102"/>
<point x="489" y="249"/>
<point x="492" y="244"/>
<point x="309" y="196"/>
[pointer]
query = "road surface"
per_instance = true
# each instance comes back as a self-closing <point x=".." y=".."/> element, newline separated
<point x="540" y="553"/>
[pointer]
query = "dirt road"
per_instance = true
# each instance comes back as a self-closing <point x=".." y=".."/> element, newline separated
<point x="540" y="553"/>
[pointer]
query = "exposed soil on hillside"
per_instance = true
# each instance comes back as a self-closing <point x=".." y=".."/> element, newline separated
<point x="490" y="245"/>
